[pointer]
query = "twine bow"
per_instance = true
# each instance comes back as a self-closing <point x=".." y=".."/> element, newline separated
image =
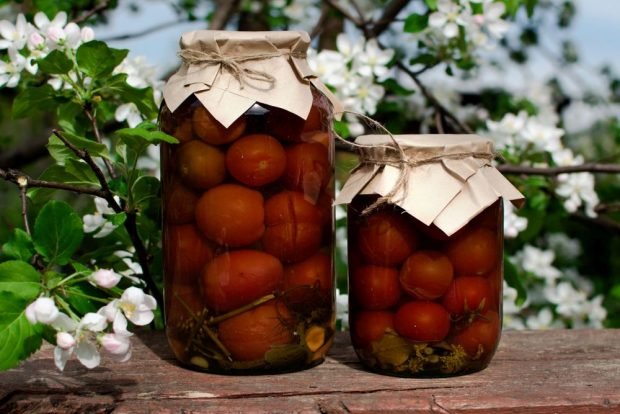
<point x="401" y="161"/>
<point x="234" y="64"/>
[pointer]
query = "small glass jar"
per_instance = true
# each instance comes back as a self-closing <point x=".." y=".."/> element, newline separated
<point x="423" y="302"/>
<point x="248" y="237"/>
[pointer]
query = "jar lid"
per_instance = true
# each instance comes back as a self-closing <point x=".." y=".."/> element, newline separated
<point x="228" y="72"/>
<point x="441" y="179"/>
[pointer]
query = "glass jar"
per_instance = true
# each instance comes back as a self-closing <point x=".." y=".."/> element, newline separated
<point x="426" y="301"/>
<point x="248" y="235"/>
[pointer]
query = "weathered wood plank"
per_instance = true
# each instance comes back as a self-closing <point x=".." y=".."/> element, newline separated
<point x="533" y="372"/>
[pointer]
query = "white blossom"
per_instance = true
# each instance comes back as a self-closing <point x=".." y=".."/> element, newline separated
<point x="538" y="262"/>
<point x="491" y="18"/>
<point x="330" y="66"/>
<point x="564" y="246"/>
<point x="118" y="345"/>
<point x="363" y="95"/>
<point x="85" y="348"/>
<point x="577" y="189"/>
<point x="595" y="312"/>
<point x="448" y="17"/>
<point x="511" y="318"/>
<point x="97" y="220"/>
<point x="513" y="224"/>
<point x="65" y="340"/>
<point x="128" y="112"/>
<point x="14" y="35"/>
<point x="569" y="301"/>
<point x="342" y="309"/>
<point x="42" y="310"/>
<point x="134" y="305"/>
<point x="10" y="72"/>
<point x="106" y="278"/>
<point x="373" y="60"/>
<point x="543" y="320"/>
<point x="542" y="137"/>
<point x="505" y="131"/>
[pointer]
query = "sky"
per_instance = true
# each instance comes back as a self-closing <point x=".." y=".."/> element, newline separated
<point x="595" y="31"/>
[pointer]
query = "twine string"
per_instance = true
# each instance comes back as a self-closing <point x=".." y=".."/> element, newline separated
<point x="402" y="161"/>
<point x="234" y="64"/>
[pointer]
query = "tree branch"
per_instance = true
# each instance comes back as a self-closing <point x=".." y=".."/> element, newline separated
<point x="390" y="12"/>
<point x="93" y="121"/>
<point x="335" y="4"/>
<point x="23" y="186"/>
<point x="603" y="222"/>
<point x="96" y="10"/>
<point x="431" y="98"/>
<point x="550" y="171"/>
<point x="84" y="155"/>
<point x="14" y="176"/>
<point x="224" y="10"/>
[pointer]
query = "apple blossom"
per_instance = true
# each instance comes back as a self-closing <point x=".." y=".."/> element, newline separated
<point x="42" y="310"/>
<point x="106" y="278"/>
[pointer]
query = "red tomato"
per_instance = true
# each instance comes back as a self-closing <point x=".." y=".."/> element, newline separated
<point x="375" y="287"/>
<point x="231" y="214"/>
<point x="386" y="238"/>
<point x="234" y="279"/>
<point x="187" y="251"/>
<point x="474" y="251"/>
<point x="426" y="274"/>
<point x="468" y="294"/>
<point x="252" y="333"/>
<point x="293" y="226"/>
<point x="368" y="327"/>
<point x="308" y="168"/>
<point x="482" y="333"/>
<point x="316" y="271"/>
<point x="256" y="159"/>
<point x="422" y="321"/>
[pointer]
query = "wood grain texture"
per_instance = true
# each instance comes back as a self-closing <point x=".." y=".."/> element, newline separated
<point x="533" y="372"/>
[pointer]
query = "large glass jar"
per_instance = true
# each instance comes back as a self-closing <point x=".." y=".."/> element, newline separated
<point x="248" y="236"/>
<point x="425" y="299"/>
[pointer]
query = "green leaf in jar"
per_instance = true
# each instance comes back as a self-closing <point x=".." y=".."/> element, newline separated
<point x="391" y="349"/>
<point x="282" y="355"/>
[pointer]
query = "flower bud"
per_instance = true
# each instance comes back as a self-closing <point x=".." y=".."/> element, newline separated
<point x="106" y="278"/>
<point x="42" y="310"/>
<point x="115" y="344"/>
<point x="87" y="34"/>
<point x="35" y="40"/>
<point x="65" y="340"/>
<point x="56" y="34"/>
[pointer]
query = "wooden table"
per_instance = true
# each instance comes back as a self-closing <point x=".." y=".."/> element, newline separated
<point x="533" y="372"/>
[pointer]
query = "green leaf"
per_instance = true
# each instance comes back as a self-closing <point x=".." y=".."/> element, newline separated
<point x="59" y="151"/>
<point x="415" y="23"/>
<point x="20" y="279"/>
<point x="18" y="338"/>
<point x="511" y="275"/>
<point x="31" y="99"/>
<point x="393" y="86"/>
<point x="512" y="6"/>
<point x="19" y="246"/>
<point x="142" y="98"/>
<point x="97" y="60"/>
<point x="117" y="219"/>
<point x="155" y="137"/>
<point x="58" y="173"/>
<point x="57" y="232"/>
<point x="144" y="189"/>
<point x="75" y="297"/>
<point x="431" y="4"/>
<point x="55" y="63"/>
<point x="81" y="172"/>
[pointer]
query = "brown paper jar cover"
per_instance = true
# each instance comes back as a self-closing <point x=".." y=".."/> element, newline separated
<point x="280" y="55"/>
<point x="425" y="247"/>
<point x="247" y="193"/>
<point x="450" y="179"/>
